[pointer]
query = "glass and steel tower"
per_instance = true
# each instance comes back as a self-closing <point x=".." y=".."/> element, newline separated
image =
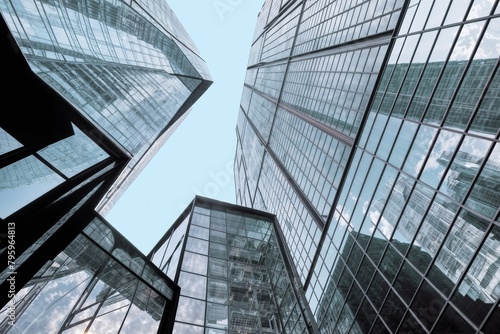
<point x="92" y="89"/>
<point x="233" y="270"/>
<point x="312" y="68"/>
<point x="371" y="129"/>
<point x="128" y="67"/>
<point x="98" y="283"/>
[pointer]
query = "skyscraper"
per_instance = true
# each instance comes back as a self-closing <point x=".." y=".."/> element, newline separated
<point x="233" y="271"/>
<point x="98" y="283"/>
<point x="92" y="89"/>
<point x="129" y="68"/>
<point x="371" y="129"/>
<point x="311" y="70"/>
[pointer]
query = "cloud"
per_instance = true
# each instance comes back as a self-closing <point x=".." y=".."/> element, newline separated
<point x="383" y="225"/>
<point x="190" y="310"/>
<point x="422" y="145"/>
<point x="365" y="206"/>
<point x="374" y="217"/>
<point x="466" y="42"/>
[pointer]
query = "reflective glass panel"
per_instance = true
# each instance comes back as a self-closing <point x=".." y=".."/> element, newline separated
<point x="197" y="246"/>
<point x="481" y="286"/>
<point x="73" y="154"/>
<point x="195" y="263"/>
<point x="7" y="142"/>
<point x="191" y="311"/>
<point x="193" y="285"/>
<point x="217" y="316"/>
<point x="23" y="181"/>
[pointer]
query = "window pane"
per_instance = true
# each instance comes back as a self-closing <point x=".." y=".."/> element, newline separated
<point x="481" y="286"/>
<point x="458" y="248"/>
<point x="187" y="329"/>
<point x="452" y="322"/>
<point x="193" y="285"/>
<point x="427" y="305"/>
<point x="197" y="246"/>
<point x="73" y="154"/>
<point x="191" y="311"/>
<point x="7" y="142"/>
<point x="484" y="196"/>
<point x="200" y="220"/>
<point x="198" y="232"/>
<point x="217" y="291"/>
<point x="217" y="316"/>
<point x="23" y="182"/>
<point x="195" y="263"/>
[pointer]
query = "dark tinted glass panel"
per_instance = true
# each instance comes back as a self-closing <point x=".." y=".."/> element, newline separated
<point x="392" y="311"/>
<point x="452" y="322"/>
<point x="377" y="291"/>
<point x="427" y="305"/>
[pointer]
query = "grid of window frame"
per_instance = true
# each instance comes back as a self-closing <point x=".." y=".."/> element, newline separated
<point x="408" y="197"/>
<point x="169" y="22"/>
<point x="112" y="101"/>
<point x="468" y="145"/>
<point x="252" y="154"/>
<point x="270" y="79"/>
<point x="429" y="91"/>
<point x="279" y="39"/>
<point x="261" y="113"/>
<point x="274" y="10"/>
<point x="300" y="230"/>
<point x="334" y="89"/>
<point x="79" y="32"/>
<point x="453" y="228"/>
<point x="94" y="284"/>
<point x="313" y="158"/>
<point x="232" y="263"/>
<point x="262" y="20"/>
<point x="428" y="275"/>
<point x="255" y="51"/>
<point x="241" y="183"/>
<point x="250" y="76"/>
<point x="167" y="256"/>
<point x="116" y="63"/>
<point x="331" y="22"/>
<point x="273" y="91"/>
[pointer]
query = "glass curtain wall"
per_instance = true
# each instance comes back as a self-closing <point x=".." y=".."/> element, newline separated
<point x="311" y="71"/>
<point x="98" y="284"/>
<point x="413" y="243"/>
<point x="371" y="129"/>
<point x="127" y="66"/>
<point x="232" y="273"/>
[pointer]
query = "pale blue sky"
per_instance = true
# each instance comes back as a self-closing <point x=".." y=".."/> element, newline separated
<point x="198" y="157"/>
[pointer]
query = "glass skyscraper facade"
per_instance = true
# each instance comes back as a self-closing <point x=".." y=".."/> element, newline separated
<point x="311" y="71"/>
<point x="99" y="283"/>
<point x="92" y="89"/>
<point x="371" y="129"/>
<point x="128" y="67"/>
<point x="233" y="270"/>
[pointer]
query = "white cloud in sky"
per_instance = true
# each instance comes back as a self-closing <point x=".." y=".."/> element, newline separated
<point x="365" y="206"/>
<point x="421" y="147"/>
<point x="383" y="226"/>
<point x="467" y="40"/>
